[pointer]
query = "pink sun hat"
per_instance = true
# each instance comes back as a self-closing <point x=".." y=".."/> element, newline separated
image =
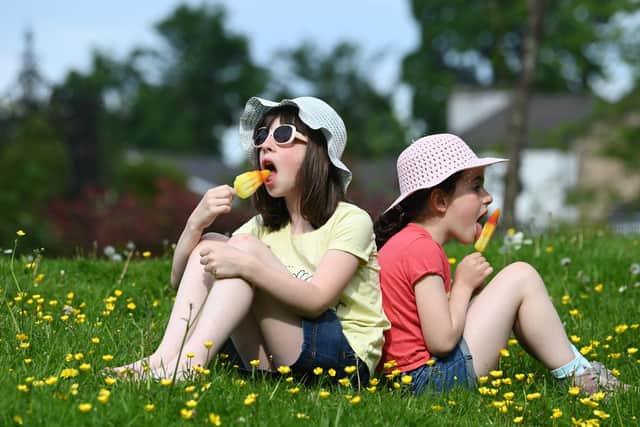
<point x="432" y="159"/>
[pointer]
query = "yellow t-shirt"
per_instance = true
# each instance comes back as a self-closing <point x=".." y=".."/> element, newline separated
<point x="359" y="308"/>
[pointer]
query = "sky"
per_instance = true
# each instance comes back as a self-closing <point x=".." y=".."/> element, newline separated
<point x="66" y="31"/>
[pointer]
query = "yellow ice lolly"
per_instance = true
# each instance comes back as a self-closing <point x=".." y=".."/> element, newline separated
<point x="247" y="183"/>
<point x="487" y="231"/>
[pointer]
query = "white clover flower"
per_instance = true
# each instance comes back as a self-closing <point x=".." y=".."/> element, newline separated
<point x="130" y="245"/>
<point x="565" y="261"/>
<point x="513" y="240"/>
<point x="116" y="257"/>
<point x="635" y="268"/>
<point x="67" y="309"/>
<point x="8" y="251"/>
<point x="621" y="289"/>
<point x="109" y="251"/>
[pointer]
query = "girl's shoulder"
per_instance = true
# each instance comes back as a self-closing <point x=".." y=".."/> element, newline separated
<point x="346" y="210"/>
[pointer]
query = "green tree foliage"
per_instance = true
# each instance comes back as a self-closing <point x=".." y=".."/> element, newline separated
<point x="339" y="78"/>
<point x="34" y="168"/>
<point x="183" y="97"/>
<point x="479" y="42"/>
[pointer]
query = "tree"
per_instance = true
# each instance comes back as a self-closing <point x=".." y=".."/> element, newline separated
<point x="518" y="121"/>
<point x="188" y="93"/>
<point x="478" y="42"/>
<point x="340" y="78"/>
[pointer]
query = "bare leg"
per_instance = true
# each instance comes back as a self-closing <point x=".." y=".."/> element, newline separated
<point x="515" y="297"/>
<point x="227" y="310"/>
<point x="192" y="293"/>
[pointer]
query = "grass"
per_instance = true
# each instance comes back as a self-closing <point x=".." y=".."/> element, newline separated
<point x="64" y="320"/>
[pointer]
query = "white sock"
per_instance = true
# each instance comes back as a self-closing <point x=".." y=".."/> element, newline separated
<point x="575" y="367"/>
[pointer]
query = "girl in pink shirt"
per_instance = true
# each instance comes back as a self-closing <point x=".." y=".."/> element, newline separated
<point x="441" y="335"/>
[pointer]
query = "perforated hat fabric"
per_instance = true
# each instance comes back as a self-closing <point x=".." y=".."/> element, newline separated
<point x="313" y="112"/>
<point x="432" y="159"/>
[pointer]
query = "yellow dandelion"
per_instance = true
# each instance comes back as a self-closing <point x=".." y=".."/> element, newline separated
<point x="24" y="345"/>
<point x="69" y="373"/>
<point x="191" y="404"/>
<point x="289" y="379"/>
<point x="293" y="390"/>
<point x="518" y="420"/>
<point x="621" y="328"/>
<point x="324" y="394"/>
<point x="302" y="416"/>
<point x="95" y="340"/>
<point x="208" y="345"/>
<point x="574" y="391"/>
<point x="250" y="399"/>
<point x="509" y="395"/>
<point x="430" y="362"/>
<point x="332" y="372"/>
<point x="110" y="380"/>
<point x="215" y="419"/>
<point x="374" y="381"/>
<point x="190" y="355"/>
<point x="17" y="419"/>
<point x="78" y="356"/>
<point x="21" y="233"/>
<point x="452" y="261"/>
<point x="390" y="364"/>
<point x="598" y="396"/>
<point x="406" y="379"/>
<point x="51" y="380"/>
<point x="107" y="357"/>
<point x="117" y="292"/>
<point x="483" y="379"/>
<point x="632" y="350"/>
<point x="284" y="370"/>
<point x="85" y="407"/>
<point x="254" y="362"/>
<point x="586" y="350"/>
<point x="512" y="342"/>
<point x="533" y="396"/>
<point x="350" y="369"/>
<point x="23" y="388"/>
<point x="84" y="367"/>
<point x="372" y="389"/>
<point x="345" y="381"/>
<point x="495" y="373"/>
<point x="28" y="361"/>
<point x="166" y="382"/>
<point x="149" y="407"/>
<point x="146" y="254"/>
<point x="504" y="352"/>
<point x="103" y="396"/>
<point x="575" y="339"/>
<point x="586" y="401"/>
<point x="131" y="306"/>
<point x="21" y="337"/>
<point x="548" y="249"/>
<point x="436" y="408"/>
<point x="318" y="370"/>
<point x="600" y="414"/>
<point x="598" y="288"/>
<point x="355" y="400"/>
<point x="186" y="414"/>
<point x="555" y="413"/>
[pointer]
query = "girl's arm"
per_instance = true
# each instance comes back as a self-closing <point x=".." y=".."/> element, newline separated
<point x="306" y="298"/>
<point x="216" y="201"/>
<point x="443" y="318"/>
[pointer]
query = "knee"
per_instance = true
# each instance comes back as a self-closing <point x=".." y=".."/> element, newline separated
<point x="524" y="274"/>
<point x="246" y="243"/>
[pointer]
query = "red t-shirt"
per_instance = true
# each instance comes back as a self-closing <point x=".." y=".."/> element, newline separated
<point x="406" y="258"/>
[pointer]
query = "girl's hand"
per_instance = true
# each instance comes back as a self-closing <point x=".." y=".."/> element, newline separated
<point x="216" y="201"/>
<point x="472" y="271"/>
<point x="223" y="261"/>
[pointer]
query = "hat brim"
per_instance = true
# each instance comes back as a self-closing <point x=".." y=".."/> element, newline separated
<point x="477" y="163"/>
<point x="256" y="108"/>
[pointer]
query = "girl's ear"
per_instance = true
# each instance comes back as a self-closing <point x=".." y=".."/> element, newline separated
<point x="439" y="201"/>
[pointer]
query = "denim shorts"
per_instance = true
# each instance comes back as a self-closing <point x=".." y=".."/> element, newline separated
<point x="324" y="346"/>
<point x="454" y="369"/>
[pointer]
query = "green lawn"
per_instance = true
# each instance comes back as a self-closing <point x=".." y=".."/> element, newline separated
<point x="64" y="320"/>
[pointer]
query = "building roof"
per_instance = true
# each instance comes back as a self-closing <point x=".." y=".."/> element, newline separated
<point x="546" y="113"/>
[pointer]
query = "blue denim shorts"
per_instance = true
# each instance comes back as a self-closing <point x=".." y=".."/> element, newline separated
<point x="454" y="369"/>
<point x="324" y="346"/>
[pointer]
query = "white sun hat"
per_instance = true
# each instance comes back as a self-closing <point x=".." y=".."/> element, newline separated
<point x="432" y="159"/>
<point x="313" y="112"/>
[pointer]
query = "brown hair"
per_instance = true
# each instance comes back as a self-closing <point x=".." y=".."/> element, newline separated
<point x="319" y="181"/>
<point x="413" y="208"/>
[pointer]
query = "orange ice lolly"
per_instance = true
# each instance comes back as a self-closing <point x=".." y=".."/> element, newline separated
<point x="247" y="183"/>
<point x="487" y="231"/>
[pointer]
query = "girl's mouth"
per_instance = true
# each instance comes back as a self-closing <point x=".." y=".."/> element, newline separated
<point x="268" y="165"/>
